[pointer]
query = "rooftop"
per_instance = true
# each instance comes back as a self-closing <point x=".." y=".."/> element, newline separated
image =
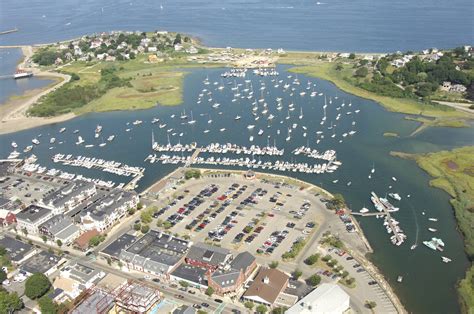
<point x="60" y="197"/>
<point x="81" y="273"/>
<point x="40" y="263"/>
<point x="33" y="213"/>
<point x="56" y="224"/>
<point x="267" y="285"/>
<point x="209" y="254"/>
<point x="327" y="298"/>
<point x="157" y="247"/>
<point x="191" y="273"/>
<point x="122" y="243"/>
<point x="17" y="250"/>
<point x="103" y="207"/>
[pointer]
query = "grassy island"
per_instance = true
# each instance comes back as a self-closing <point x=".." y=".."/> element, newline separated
<point x="391" y="134"/>
<point x="453" y="171"/>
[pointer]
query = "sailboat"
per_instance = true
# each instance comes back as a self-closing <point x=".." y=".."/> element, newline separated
<point x="301" y="113"/>
<point x="192" y="121"/>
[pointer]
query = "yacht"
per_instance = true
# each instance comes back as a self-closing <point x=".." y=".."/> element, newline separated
<point x="445" y="259"/>
<point x="111" y="138"/>
<point x="155" y="120"/>
<point x="52" y="140"/>
<point x="28" y="148"/>
<point x="237" y="118"/>
<point x="222" y="130"/>
<point x="35" y="141"/>
<point x="13" y="155"/>
<point x="250" y="126"/>
<point x="364" y="210"/>
<point x="14" y="145"/>
<point x="61" y="130"/>
<point x="260" y="132"/>
<point x="192" y="121"/>
<point x="395" y="196"/>
<point x="79" y="140"/>
<point x="75" y="131"/>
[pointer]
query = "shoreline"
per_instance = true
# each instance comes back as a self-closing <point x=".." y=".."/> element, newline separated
<point x="13" y="112"/>
<point x="305" y="186"/>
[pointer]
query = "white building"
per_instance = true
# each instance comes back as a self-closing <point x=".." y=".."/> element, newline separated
<point x="32" y="217"/>
<point x="326" y="299"/>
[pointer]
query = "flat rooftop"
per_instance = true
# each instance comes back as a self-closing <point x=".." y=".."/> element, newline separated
<point x="17" y="250"/>
<point x="122" y="243"/>
<point x="33" y="213"/>
<point x="40" y="263"/>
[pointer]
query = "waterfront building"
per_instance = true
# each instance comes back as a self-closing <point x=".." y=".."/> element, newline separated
<point x="327" y="298"/>
<point x="69" y="197"/>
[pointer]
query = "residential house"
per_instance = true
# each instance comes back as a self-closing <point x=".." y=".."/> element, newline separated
<point x="69" y="196"/>
<point x="61" y="228"/>
<point x="266" y="287"/>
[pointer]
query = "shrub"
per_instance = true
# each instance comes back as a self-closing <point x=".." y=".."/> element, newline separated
<point x="36" y="286"/>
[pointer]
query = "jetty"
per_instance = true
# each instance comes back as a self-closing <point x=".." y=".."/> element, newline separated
<point x="8" y="31"/>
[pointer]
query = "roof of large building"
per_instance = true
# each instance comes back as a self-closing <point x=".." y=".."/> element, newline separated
<point x="122" y="243"/>
<point x="184" y="309"/>
<point x="209" y="254"/>
<point x="40" y="263"/>
<point x="327" y="298"/>
<point x="17" y="250"/>
<point x="267" y="285"/>
<point x="242" y="261"/>
<point x="81" y="273"/>
<point x="56" y="224"/>
<point x="60" y="197"/>
<point x="103" y="207"/>
<point x="228" y="277"/>
<point x="156" y="247"/>
<point x="33" y="213"/>
<point x="191" y="273"/>
<point x="68" y="232"/>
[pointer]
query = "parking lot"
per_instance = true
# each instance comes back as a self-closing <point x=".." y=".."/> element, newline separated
<point x="29" y="189"/>
<point x="241" y="214"/>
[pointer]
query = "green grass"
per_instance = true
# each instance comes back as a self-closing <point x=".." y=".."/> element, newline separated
<point x="151" y="83"/>
<point x="453" y="171"/>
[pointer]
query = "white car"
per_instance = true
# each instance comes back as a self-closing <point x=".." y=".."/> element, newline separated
<point x="6" y="282"/>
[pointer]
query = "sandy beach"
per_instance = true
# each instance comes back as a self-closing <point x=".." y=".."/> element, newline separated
<point x="13" y="114"/>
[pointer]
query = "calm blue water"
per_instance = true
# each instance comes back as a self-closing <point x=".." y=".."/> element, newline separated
<point x="358" y="153"/>
<point x="333" y="25"/>
<point x="9" y="86"/>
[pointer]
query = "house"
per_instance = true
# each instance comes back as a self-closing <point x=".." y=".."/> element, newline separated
<point x="7" y="212"/>
<point x="327" y="298"/>
<point x="208" y="256"/>
<point x="232" y="278"/>
<point x="110" y="58"/>
<point x="106" y="211"/>
<point x="192" y="50"/>
<point x="17" y="251"/>
<point x="82" y="242"/>
<point x="70" y="287"/>
<point x="32" y="217"/>
<point x="59" y="296"/>
<point x="178" y="47"/>
<point x="152" y="49"/>
<point x="69" y="196"/>
<point x="61" y="228"/>
<point x="344" y="55"/>
<point x="156" y="253"/>
<point x="102" y="56"/>
<point x="458" y="88"/>
<point x="266" y="287"/>
<point x="114" y="249"/>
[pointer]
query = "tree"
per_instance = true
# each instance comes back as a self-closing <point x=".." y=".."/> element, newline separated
<point x="10" y="302"/>
<point x="109" y="261"/>
<point x="370" y="304"/>
<point x="273" y="265"/>
<point x="350" y="281"/>
<point x="139" y="206"/>
<point x="159" y="222"/>
<point x="145" y="228"/>
<point x="314" y="280"/>
<point x="177" y="40"/>
<point x="59" y="242"/>
<point x="3" y="276"/>
<point x="25" y="232"/>
<point x="209" y="291"/>
<point x="45" y="238"/>
<point x="326" y="258"/>
<point x="297" y="274"/>
<point x="75" y="77"/>
<point x="47" y="306"/>
<point x="249" y="305"/>
<point x="167" y="224"/>
<point x="36" y="286"/>
<point x="352" y="56"/>
<point x="312" y="259"/>
<point x="361" y="72"/>
<point x="96" y="240"/>
<point x="131" y="211"/>
<point x="279" y="310"/>
<point x="339" y="67"/>
<point x="183" y="283"/>
<point x="137" y="226"/>
<point x="261" y="309"/>
<point x="146" y="217"/>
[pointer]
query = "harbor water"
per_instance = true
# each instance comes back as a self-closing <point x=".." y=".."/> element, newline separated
<point x="358" y="153"/>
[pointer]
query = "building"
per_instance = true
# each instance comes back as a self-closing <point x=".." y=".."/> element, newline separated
<point x="195" y="276"/>
<point x="156" y="253"/>
<point x="82" y="274"/>
<point x="208" y="256"/>
<point x="82" y="242"/>
<point x="61" y="228"/>
<point x="266" y="287"/>
<point x="327" y="298"/>
<point x="18" y="251"/>
<point x="114" y="249"/>
<point x="69" y="196"/>
<point x="135" y="297"/>
<point x="7" y="211"/>
<point x="104" y="212"/>
<point x="43" y="262"/>
<point x="32" y="217"/>
<point x="231" y="278"/>
<point x="184" y="310"/>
